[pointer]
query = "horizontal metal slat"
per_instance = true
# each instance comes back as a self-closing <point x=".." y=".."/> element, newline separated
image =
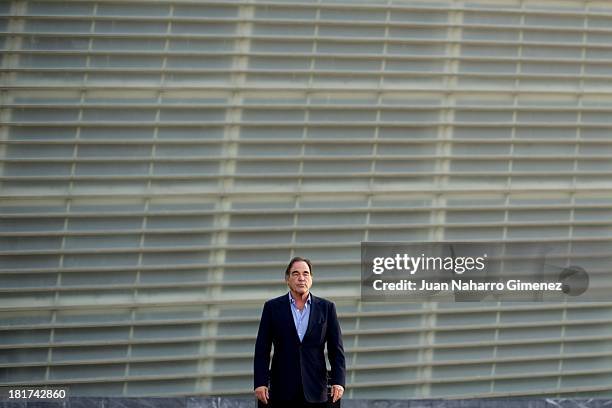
<point x="245" y="247"/>
<point x="576" y="141"/>
<point x="361" y="349"/>
<point x="570" y="391"/>
<point x="383" y="331"/>
<point x="305" y="228"/>
<point x="364" y="6"/>
<point x="325" y="73"/>
<point x="406" y="106"/>
<point x="312" y="124"/>
<point x="322" y="72"/>
<point x="295" y="210"/>
<point x="320" y="22"/>
<point x="158" y="193"/>
<point x="289" y="39"/>
<point x="153" y="377"/>
<point x="55" y="305"/>
<point x="350" y="368"/>
<point x="425" y="310"/>
<point x="384" y="88"/>
<point x="311" y="158"/>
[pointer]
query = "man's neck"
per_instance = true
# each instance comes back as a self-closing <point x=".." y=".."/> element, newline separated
<point x="300" y="300"/>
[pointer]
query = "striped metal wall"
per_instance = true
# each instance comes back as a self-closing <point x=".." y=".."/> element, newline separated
<point x="162" y="160"/>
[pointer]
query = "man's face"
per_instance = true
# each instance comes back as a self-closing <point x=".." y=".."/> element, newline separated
<point x="299" y="279"/>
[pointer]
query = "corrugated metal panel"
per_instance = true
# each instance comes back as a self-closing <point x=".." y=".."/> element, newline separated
<point x="162" y="160"/>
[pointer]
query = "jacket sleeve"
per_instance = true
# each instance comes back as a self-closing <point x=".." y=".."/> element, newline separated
<point x="335" y="349"/>
<point x="263" y="346"/>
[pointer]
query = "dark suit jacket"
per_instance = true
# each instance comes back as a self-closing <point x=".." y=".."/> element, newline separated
<point x="292" y="357"/>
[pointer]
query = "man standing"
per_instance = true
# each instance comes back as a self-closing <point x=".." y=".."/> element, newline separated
<point x="299" y="325"/>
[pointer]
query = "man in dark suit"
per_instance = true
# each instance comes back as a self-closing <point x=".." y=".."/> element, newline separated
<point x="299" y="325"/>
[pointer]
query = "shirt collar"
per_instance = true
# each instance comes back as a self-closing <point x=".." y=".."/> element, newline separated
<point x="292" y="300"/>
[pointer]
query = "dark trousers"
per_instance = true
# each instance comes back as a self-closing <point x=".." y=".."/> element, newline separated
<point x="299" y="402"/>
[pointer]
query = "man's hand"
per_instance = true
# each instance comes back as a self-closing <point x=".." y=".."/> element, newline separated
<point x="262" y="394"/>
<point x="336" y="392"/>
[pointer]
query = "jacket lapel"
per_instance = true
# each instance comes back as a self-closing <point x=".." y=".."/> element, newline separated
<point x="315" y="312"/>
<point x="289" y="317"/>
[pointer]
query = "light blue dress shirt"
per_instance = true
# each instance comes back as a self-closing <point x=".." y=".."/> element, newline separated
<point x="300" y="318"/>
